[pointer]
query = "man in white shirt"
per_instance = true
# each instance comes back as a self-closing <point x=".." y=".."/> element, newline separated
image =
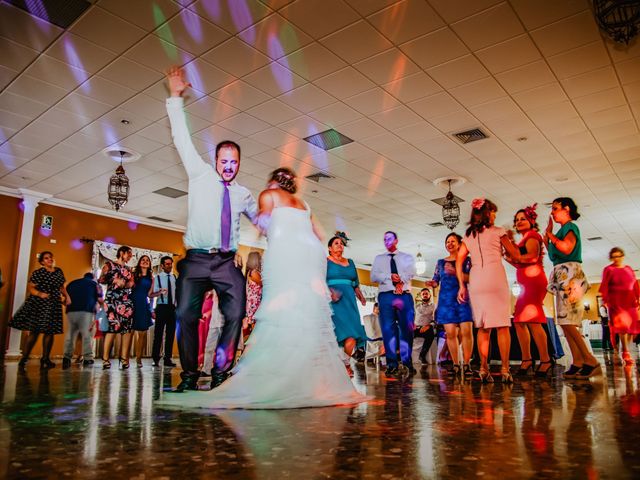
<point x="425" y="323"/>
<point x="216" y="202"/>
<point x="393" y="272"/>
<point x="165" y="286"/>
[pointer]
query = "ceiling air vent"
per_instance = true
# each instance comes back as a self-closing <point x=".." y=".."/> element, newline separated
<point x="315" y="177"/>
<point x="171" y="192"/>
<point x="593" y="239"/>
<point x="159" y="219"/>
<point x="470" y="135"/>
<point x="328" y="139"/>
<point x="59" y="12"/>
<point x="436" y="224"/>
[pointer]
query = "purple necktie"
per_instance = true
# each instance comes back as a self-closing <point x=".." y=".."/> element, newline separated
<point x="225" y="224"/>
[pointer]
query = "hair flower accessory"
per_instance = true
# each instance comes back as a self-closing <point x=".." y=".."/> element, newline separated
<point x="530" y="212"/>
<point x="343" y="237"/>
<point x="477" y="203"/>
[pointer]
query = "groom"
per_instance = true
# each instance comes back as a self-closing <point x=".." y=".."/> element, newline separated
<point x="213" y="227"/>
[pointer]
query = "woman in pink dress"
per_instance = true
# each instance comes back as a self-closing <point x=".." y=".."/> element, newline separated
<point x="488" y="286"/>
<point x="620" y="294"/>
<point x="529" y="316"/>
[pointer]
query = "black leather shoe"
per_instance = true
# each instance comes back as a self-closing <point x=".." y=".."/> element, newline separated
<point x="87" y="362"/>
<point x="391" y="372"/>
<point x="411" y="370"/>
<point x="66" y="363"/>
<point x="155" y="363"/>
<point x="189" y="383"/>
<point x="169" y="363"/>
<point x="217" y="378"/>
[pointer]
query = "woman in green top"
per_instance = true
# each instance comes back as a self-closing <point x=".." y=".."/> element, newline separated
<point x="569" y="284"/>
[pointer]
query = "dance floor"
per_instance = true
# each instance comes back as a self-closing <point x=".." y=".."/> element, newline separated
<point x="88" y="423"/>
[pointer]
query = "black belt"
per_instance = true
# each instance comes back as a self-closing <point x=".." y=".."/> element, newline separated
<point x="209" y="251"/>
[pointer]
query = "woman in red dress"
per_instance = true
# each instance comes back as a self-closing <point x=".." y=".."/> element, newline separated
<point x="529" y="315"/>
<point x="620" y="294"/>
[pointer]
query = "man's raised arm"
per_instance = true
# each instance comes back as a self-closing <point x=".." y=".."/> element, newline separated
<point x="193" y="163"/>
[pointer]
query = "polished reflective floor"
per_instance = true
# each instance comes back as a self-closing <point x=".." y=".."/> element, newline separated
<point x="88" y="423"/>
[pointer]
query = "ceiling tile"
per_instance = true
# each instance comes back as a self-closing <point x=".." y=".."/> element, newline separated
<point x="130" y="74"/>
<point x="541" y="96"/>
<point x="98" y="26"/>
<point x="244" y="124"/>
<point x="479" y="31"/>
<point x="579" y="60"/>
<point x="396" y="117"/>
<point x="157" y="54"/>
<point x="590" y="82"/>
<point x="84" y="106"/>
<point x="6" y="76"/>
<point x="232" y="16"/>
<point x="434" y="48"/>
<point x="335" y="114"/>
<point x="417" y="132"/>
<point x="344" y="83"/>
<point x="274" y="137"/>
<point x="313" y="61"/>
<point x="361" y="129"/>
<point x="566" y="34"/>
<point x="459" y="71"/>
<point x="455" y="122"/>
<point x="454" y="11"/>
<point x="311" y="16"/>
<point x="56" y="72"/>
<point x="32" y="87"/>
<point x="146" y="107"/>
<point x="608" y="116"/>
<point x="412" y="87"/>
<point x="191" y="32"/>
<point x="28" y="30"/>
<point x="307" y="98"/>
<point x="274" y="112"/>
<point x="211" y="109"/>
<point x="276" y="37"/>
<point x="629" y="71"/>
<point x="526" y="77"/>
<point x="14" y="55"/>
<point x="406" y="20"/>
<point x="435" y="105"/>
<point x="12" y="121"/>
<point x="510" y="54"/>
<point x="372" y="101"/>
<point x="537" y="14"/>
<point x="147" y="15"/>
<point x="80" y="53"/>
<point x="596" y="102"/>
<point x="241" y="95"/>
<point x="303" y="126"/>
<point x="367" y="7"/>
<point x="274" y="79"/>
<point x="108" y="92"/>
<point x="387" y="67"/>
<point x="477" y="92"/>
<point x="356" y="42"/>
<point x="236" y="57"/>
<point x="205" y="77"/>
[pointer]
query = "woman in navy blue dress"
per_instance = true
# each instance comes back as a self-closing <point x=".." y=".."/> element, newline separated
<point x="141" y="292"/>
<point x="456" y="318"/>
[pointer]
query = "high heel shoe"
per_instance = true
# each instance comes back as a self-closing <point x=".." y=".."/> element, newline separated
<point x="22" y="364"/>
<point x="505" y="376"/>
<point x="455" y="372"/>
<point x="588" y="371"/>
<point x="485" y="376"/>
<point x="627" y="358"/>
<point x="106" y="364"/>
<point x="124" y="364"/>
<point x="525" y="372"/>
<point x="467" y="373"/>
<point x="546" y="373"/>
<point x="46" y="364"/>
<point x="139" y="364"/>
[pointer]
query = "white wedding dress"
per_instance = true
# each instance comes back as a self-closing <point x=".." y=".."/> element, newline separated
<point x="292" y="358"/>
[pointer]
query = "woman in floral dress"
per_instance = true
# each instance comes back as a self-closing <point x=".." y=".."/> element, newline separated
<point x="119" y="280"/>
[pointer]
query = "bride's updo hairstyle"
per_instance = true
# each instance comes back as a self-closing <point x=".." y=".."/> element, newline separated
<point x="285" y="178"/>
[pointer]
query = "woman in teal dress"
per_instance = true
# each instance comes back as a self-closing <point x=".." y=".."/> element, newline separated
<point x="342" y="279"/>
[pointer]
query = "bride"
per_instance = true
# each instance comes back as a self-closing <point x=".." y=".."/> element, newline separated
<point x="292" y="358"/>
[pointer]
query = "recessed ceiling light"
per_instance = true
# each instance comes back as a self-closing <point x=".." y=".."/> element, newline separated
<point x="522" y="139"/>
<point x="561" y="179"/>
<point x="124" y="121"/>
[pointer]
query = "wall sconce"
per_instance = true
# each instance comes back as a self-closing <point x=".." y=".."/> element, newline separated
<point x="587" y="307"/>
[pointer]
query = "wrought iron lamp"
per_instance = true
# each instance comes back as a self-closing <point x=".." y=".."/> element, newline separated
<point x="619" y="19"/>
<point x="450" y="210"/>
<point x="118" y="190"/>
<point x="421" y="263"/>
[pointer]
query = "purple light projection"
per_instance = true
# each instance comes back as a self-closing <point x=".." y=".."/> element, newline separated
<point x="194" y="77"/>
<point x="282" y="76"/>
<point x="76" y="244"/>
<point x="132" y="225"/>
<point x="242" y="18"/>
<point x="109" y="239"/>
<point x="6" y="152"/>
<point x="45" y="232"/>
<point x="74" y="60"/>
<point x="212" y="7"/>
<point x="192" y="23"/>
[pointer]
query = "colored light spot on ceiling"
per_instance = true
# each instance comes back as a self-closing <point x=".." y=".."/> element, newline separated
<point x="76" y="244"/>
<point x="169" y="45"/>
<point x="132" y="225"/>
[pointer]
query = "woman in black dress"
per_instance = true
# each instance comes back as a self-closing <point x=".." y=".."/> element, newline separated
<point x="42" y="311"/>
<point x="119" y="281"/>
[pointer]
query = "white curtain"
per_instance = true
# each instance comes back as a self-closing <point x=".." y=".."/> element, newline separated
<point x="109" y="250"/>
